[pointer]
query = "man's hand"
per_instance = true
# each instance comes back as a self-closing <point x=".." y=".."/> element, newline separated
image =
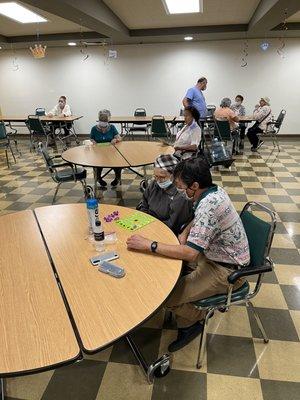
<point x="114" y="141"/>
<point x="182" y="237"/>
<point x="137" y="242"/>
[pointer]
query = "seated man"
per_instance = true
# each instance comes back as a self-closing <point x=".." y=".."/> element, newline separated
<point x="62" y="109"/>
<point x="162" y="199"/>
<point x="262" y="114"/>
<point x="240" y="111"/>
<point x="189" y="137"/>
<point x="216" y="239"/>
<point x="224" y="112"/>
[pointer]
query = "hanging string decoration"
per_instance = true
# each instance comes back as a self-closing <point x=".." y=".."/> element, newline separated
<point x="83" y="45"/>
<point x="245" y="54"/>
<point x="15" y="64"/>
<point x="283" y="28"/>
<point x="38" y="51"/>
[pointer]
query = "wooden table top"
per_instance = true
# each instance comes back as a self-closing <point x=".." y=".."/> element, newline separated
<point x="123" y="154"/>
<point x="146" y="119"/>
<point x="95" y="156"/>
<point x="44" y="118"/>
<point x="139" y="153"/>
<point x="105" y="308"/>
<point x="36" y="332"/>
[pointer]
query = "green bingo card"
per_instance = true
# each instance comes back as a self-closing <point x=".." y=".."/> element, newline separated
<point x="135" y="221"/>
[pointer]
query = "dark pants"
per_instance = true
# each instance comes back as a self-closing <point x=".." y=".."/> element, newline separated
<point x="66" y="127"/>
<point x="242" y="127"/>
<point x="116" y="170"/>
<point x="252" y="135"/>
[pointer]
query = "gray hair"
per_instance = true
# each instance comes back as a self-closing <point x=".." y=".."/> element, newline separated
<point x="104" y="114"/>
<point x="226" y="102"/>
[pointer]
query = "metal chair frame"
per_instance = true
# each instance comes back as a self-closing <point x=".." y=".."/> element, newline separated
<point x="42" y="129"/>
<point x="53" y="169"/>
<point x="139" y="126"/>
<point x="257" y="270"/>
<point x="5" y="143"/>
<point x="273" y="128"/>
<point x="155" y="135"/>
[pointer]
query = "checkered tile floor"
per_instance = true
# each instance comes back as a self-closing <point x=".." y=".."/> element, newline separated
<point x="238" y="364"/>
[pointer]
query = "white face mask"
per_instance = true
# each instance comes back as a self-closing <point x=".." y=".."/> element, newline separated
<point x="102" y="124"/>
<point x="184" y="193"/>
<point x="238" y="103"/>
<point x="165" y="184"/>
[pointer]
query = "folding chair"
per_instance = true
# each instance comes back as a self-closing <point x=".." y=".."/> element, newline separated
<point x="159" y="128"/>
<point x="138" y="126"/>
<point x="260" y="235"/>
<point x="37" y="130"/>
<point x="5" y="142"/>
<point x="273" y="127"/>
<point x="62" y="171"/>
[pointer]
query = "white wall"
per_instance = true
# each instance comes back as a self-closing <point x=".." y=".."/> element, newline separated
<point x="152" y="76"/>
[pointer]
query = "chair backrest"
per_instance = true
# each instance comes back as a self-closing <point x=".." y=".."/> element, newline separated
<point x="3" y="134"/>
<point x="46" y="157"/>
<point x="34" y="123"/>
<point x="259" y="232"/>
<point x="140" y="112"/>
<point x="210" y="110"/>
<point x="280" y="119"/>
<point x="159" y="126"/>
<point x="40" y="111"/>
<point x="222" y="130"/>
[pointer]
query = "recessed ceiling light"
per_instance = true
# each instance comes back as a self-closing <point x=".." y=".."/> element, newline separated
<point x="19" y="13"/>
<point x="188" y="38"/>
<point x="183" y="6"/>
<point x="72" y="44"/>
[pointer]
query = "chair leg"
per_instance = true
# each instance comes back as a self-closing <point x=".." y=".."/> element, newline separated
<point x="55" y="194"/>
<point x="202" y="344"/>
<point x="258" y="321"/>
<point x="12" y="153"/>
<point x="6" y="155"/>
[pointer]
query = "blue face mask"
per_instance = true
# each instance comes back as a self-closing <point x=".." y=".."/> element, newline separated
<point x="165" y="184"/>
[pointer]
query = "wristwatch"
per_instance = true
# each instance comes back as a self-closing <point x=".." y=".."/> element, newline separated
<point x="153" y="247"/>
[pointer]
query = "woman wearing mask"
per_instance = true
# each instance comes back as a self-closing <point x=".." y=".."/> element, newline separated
<point x="188" y="138"/>
<point x="162" y="199"/>
<point x="263" y="115"/>
<point x="104" y="132"/>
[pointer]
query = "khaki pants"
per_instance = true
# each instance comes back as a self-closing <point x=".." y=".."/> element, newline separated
<point x="207" y="279"/>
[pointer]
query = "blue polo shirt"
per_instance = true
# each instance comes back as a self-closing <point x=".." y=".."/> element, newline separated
<point x="103" y="137"/>
<point x="197" y="100"/>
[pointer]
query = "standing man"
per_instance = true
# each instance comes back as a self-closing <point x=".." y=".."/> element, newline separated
<point x="195" y="98"/>
<point x="215" y="240"/>
<point x="240" y="111"/>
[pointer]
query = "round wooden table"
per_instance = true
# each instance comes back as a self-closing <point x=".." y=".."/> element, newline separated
<point x="105" y="308"/>
<point x="121" y="155"/>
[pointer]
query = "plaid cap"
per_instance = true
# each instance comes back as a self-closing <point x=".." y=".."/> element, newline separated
<point x="166" y="161"/>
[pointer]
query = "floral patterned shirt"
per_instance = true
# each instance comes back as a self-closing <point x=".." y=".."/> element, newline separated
<point x="217" y="230"/>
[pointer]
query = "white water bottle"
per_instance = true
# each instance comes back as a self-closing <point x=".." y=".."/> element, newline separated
<point x="98" y="235"/>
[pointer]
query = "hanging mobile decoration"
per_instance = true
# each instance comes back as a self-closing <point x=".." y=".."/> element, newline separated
<point x="284" y="28"/>
<point x="38" y="50"/>
<point x="264" y="45"/>
<point x="244" y="61"/>
<point x="15" y="65"/>
<point x="83" y="45"/>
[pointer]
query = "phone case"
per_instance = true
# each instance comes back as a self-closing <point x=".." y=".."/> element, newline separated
<point x="111" y="269"/>
<point x="108" y="256"/>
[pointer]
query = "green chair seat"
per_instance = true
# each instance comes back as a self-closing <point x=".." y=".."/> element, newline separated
<point x="218" y="299"/>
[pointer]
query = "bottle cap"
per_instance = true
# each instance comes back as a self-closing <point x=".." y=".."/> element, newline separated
<point x="92" y="203"/>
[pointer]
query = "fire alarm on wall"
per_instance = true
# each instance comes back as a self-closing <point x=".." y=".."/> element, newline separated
<point x="112" y="54"/>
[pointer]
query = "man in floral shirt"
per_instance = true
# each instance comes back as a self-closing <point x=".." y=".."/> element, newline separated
<point x="215" y="240"/>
